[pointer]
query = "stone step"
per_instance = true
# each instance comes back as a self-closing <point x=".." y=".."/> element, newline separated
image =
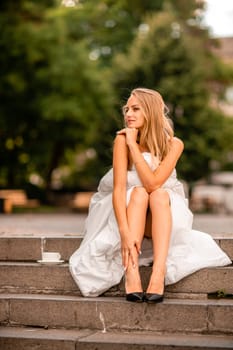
<point x="21" y="277"/>
<point x="23" y="248"/>
<point x="12" y="338"/>
<point x="109" y="314"/>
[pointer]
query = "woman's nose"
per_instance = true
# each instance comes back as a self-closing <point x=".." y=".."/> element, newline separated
<point x="128" y="113"/>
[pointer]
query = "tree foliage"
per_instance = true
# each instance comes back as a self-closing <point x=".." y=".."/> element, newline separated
<point x="66" y="71"/>
<point x="52" y="95"/>
<point x="165" y="59"/>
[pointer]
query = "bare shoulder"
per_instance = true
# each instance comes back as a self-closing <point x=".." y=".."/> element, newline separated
<point x="120" y="146"/>
<point x="177" y="143"/>
<point x="177" y="147"/>
<point x="120" y="141"/>
<point x="120" y="152"/>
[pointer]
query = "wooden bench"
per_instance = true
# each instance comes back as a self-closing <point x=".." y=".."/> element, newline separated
<point x="81" y="201"/>
<point x="16" y="198"/>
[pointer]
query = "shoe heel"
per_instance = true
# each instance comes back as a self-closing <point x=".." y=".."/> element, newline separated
<point x="137" y="297"/>
<point x="152" y="298"/>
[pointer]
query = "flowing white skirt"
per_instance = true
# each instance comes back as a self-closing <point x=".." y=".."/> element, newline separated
<point x="96" y="265"/>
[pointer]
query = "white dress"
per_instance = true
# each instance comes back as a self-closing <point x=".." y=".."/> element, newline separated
<point x="96" y="265"/>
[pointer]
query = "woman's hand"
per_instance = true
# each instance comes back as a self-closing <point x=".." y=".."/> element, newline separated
<point x="130" y="134"/>
<point x="130" y="248"/>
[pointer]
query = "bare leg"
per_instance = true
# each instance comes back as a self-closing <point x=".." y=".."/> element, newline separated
<point x="136" y="214"/>
<point x="160" y="232"/>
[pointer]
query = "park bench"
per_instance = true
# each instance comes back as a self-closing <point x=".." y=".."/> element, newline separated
<point x="15" y="198"/>
<point x="81" y="201"/>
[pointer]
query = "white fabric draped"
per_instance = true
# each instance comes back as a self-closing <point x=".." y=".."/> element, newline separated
<point x="96" y="265"/>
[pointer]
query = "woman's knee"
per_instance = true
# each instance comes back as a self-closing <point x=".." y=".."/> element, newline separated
<point x="159" y="197"/>
<point x="139" y="195"/>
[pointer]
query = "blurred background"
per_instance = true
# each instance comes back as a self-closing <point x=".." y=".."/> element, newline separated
<point x="67" y="67"/>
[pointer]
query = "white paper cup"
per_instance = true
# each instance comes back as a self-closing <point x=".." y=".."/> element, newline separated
<point x="51" y="256"/>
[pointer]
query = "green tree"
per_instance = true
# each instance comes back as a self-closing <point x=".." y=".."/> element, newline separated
<point x="53" y="96"/>
<point x="172" y="58"/>
<point x="65" y="73"/>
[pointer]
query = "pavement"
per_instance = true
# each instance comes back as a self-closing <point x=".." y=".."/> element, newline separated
<point x="59" y="224"/>
<point x="71" y="224"/>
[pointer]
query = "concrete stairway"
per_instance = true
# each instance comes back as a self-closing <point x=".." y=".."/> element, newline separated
<point x="41" y="307"/>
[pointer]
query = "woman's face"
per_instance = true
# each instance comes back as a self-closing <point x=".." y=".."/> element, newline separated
<point x="133" y="113"/>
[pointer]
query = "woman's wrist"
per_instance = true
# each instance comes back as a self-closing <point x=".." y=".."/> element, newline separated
<point x="133" y="146"/>
<point x="136" y="154"/>
<point x="134" y="151"/>
<point x="123" y="232"/>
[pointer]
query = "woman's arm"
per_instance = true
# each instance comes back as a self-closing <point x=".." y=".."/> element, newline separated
<point x="153" y="180"/>
<point x="120" y="164"/>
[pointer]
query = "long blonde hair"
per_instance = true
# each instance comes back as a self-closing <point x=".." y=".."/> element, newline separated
<point x="157" y="130"/>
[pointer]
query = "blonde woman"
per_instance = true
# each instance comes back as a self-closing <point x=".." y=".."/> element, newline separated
<point x="140" y="197"/>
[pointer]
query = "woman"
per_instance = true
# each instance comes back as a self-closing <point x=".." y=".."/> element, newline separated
<point x="141" y="197"/>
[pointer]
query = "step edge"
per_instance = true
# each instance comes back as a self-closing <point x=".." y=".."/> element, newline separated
<point x="119" y="337"/>
<point x="118" y="299"/>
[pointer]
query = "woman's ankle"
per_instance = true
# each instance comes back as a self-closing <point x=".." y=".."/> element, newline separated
<point x="133" y="280"/>
<point x="159" y="271"/>
<point x="156" y="284"/>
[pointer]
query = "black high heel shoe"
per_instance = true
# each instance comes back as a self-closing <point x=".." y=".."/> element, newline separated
<point x="136" y="297"/>
<point x="152" y="298"/>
